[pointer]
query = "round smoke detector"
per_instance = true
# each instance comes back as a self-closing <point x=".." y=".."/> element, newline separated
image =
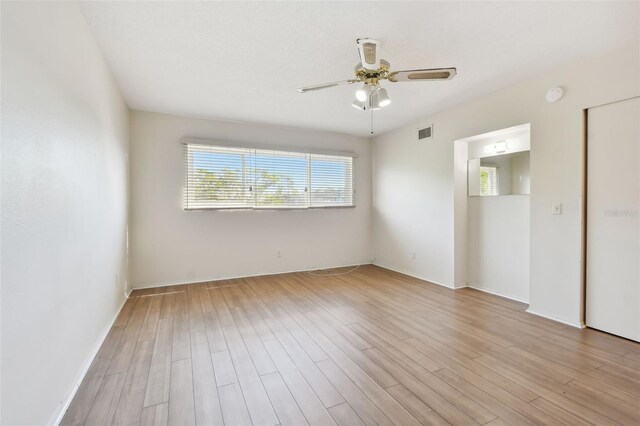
<point x="554" y="94"/>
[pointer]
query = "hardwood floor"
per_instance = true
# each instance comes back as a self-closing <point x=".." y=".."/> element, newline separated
<point x="370" y="347"/>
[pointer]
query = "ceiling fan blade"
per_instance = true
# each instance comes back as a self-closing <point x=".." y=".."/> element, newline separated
<point x="324" y="86"/>
<point x="368" y="51"/>
<point x="421" y="75"/>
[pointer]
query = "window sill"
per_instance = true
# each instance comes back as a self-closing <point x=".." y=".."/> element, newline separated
<point x="265" y="208"/>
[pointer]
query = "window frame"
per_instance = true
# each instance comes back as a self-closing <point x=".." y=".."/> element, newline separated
<point x="252" y="150"/>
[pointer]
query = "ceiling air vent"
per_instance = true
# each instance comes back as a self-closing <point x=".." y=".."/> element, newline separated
<point x="426" y="133"/>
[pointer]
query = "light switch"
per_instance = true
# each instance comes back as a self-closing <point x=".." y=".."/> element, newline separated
<point x="556" y="208"/>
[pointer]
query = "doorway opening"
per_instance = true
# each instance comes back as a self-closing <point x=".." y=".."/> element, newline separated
<point x="492" y="211"/>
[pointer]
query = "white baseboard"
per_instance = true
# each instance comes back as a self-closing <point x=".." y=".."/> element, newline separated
<point x="563" y="321"/>
<point x="556" y="319"/>
<point x="484" y="290"/>
<point x="57" y="417"/>
<point x="529" y="310"/>
<point x="261" y="274"/>
<point x="414" y="276"/>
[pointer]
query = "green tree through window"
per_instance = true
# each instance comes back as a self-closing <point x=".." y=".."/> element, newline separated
<point x="488" y="180"/>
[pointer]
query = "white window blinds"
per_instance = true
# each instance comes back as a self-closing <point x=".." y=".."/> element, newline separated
<point x="488" y="180"/>
<point x="331" y="180"/>
<point x="240" y="178"/>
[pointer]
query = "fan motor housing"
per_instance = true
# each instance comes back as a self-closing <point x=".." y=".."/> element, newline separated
<point x="366" y="75"/>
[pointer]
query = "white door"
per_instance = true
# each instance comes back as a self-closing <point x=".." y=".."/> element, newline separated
<point x="613" y="219"/>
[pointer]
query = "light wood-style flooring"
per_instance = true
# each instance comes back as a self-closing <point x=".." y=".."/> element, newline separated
<point x="370" y="347"/>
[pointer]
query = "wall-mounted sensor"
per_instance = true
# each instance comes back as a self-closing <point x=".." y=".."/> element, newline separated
<point x="554" y="94"/>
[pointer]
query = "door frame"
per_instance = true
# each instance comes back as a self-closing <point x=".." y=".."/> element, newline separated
<point x="583" y="220"/>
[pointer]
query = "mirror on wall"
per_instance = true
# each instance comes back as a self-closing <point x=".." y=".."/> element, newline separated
<point x="506" y="174"/>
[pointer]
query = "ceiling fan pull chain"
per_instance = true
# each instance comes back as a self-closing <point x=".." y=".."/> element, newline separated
<point x="371" y="120"/>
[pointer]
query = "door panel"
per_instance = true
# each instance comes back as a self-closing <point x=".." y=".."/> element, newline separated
<point x="613" y="219"/>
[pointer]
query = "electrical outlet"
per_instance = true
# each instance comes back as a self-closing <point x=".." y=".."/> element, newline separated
<point x="413" y="255"/>
<point x="556" y="208"/>
<point x="278" y="254"/>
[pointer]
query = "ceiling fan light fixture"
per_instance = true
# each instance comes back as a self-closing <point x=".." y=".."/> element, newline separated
<point x="363" y="93"/>
<point x="379" y="98"/>
<point x="383" y="98"/>
<point x="359" y="105"/>
<point x="374" y="101"/>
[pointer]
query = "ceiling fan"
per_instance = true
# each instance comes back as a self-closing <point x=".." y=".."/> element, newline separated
<point x="371" y="70"/>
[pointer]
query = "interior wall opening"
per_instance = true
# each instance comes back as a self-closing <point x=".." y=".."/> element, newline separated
<point x="492" y="206"/>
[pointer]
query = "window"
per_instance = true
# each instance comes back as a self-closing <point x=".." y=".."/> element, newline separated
<point x="243" y="178"/>
<point x="488" y="180"/>
<point x="331" y="180"/>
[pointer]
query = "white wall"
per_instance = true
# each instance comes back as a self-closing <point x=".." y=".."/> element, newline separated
<point x="520" y="174"/>
<point x="413" y="204"/>
<point x="413" y="181"/>
<point x="64" y="206"/>
<point x="170" y="245"/>
<point x="498" y="245"/>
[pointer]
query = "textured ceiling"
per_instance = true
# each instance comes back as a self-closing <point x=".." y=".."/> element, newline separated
<point x="244" y="60"/>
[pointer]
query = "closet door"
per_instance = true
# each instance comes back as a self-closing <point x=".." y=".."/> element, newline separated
<point x="613" y="219"/>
